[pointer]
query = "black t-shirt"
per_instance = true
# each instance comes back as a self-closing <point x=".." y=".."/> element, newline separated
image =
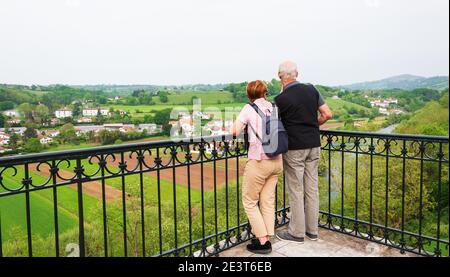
<point x="298" y="106"/>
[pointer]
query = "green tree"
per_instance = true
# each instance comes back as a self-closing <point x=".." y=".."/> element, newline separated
<point x="42" y="114"/>
<point x="2" y="120"/>
<point x="33" y="145"/>
<point x="68" y="133"/>
<point x="14" y="141"/>
<point x="163" y="96"/>
<point x="162" y="117"/>
<point x="27" y="110"/>
<point x="274" y="87"/>
<point x="29" y="133"/>
<point x="6" y="105"/>
<point x="76" y="111"/>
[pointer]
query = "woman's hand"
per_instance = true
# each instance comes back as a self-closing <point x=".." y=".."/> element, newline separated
<point x="236" y="128"/>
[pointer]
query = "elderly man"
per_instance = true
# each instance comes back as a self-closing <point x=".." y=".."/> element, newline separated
<point x="299" y="105"/>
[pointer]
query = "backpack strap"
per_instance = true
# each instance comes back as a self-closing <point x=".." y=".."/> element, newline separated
<point x="258" y="110"/>
<point x="263" y="117"/>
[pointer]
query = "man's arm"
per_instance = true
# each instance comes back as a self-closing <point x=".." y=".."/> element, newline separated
<point x="325" y="114"/>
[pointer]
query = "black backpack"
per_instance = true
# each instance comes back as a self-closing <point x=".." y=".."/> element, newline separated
<point x="274" y="138"/>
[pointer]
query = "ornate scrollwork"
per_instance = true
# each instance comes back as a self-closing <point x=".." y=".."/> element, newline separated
<point x="68" y="166"/>
<point x="12" y="174"/>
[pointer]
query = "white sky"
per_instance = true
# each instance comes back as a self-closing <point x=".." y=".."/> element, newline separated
<point x="212" y="41"/>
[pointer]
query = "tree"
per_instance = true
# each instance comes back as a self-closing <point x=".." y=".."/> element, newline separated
<point x="148" y="118"/>
<point x="2" y="120"/>
<point x="67" y="133"/>
<point x="99" y="119"/>
<point x="163" y="96"/>
<point x="166" y="129"/>
<point x="14" y="141"/>
<point x="162" y="117"/>
<point x="42" y="114"/>
<point x="108" y="137"/>
<point x="131" y="101"/>
<point x="6" y="105"/>
<point x="274" y="87"/>
<point x="29" y="133"/>
<point x="33" y="145"/>
<point x="27" y="110"/>
<point x="138" y="93"/>
<point x="76" y="111"/>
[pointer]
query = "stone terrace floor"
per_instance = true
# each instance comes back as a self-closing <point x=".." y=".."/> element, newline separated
<point x="330" y="244"/>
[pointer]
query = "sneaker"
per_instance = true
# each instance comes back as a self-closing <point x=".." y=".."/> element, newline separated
<point x="258" y="248"/>
<point x="312" y="237"/>
<point x="288" y="237"/>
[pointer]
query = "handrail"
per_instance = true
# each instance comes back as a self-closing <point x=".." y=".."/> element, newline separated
<point x="13" y="160"/>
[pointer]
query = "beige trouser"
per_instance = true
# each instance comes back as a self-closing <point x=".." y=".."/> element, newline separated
<point x="260" y="182"/>
<point x="301" y="173"/>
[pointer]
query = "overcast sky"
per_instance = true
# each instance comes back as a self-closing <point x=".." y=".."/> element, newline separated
<point x="213" y="41"/>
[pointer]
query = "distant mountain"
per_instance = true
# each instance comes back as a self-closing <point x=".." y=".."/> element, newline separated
<point x="120" y="89"/>
<point x="408" y="82"/>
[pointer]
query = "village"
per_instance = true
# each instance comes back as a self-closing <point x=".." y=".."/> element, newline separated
<point x="50" y="134"/>
<point x="85" y="128"/>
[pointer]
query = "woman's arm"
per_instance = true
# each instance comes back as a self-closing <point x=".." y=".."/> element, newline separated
<point x="237" y="128"/>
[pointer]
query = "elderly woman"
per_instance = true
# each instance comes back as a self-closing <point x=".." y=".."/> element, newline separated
<point x="261" y="172"/>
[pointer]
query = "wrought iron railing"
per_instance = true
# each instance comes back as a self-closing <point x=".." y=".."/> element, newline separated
<point x="183" y="198"/>
<point x="390" y="189"/>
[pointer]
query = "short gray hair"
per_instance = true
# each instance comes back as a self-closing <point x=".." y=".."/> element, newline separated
<point x="288" y="69"/>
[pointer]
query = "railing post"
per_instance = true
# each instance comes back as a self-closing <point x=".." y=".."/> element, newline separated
<point x="27" y="182"/>
<point x="79" y="175"/>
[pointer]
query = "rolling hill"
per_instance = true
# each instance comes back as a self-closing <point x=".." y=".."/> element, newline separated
<point x="407" y="82"/>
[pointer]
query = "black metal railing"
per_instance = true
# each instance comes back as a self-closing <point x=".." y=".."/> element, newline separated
<point x="389" y="189"/>
<point x="183" y="198"/>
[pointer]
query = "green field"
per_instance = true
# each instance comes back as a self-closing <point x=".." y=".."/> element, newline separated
<point x="210" y="100"/>
<point x="13" y="211"/>
<point x="340" y="104"/>
<point x="185" y="97"/>
<point x="13" y="218"/>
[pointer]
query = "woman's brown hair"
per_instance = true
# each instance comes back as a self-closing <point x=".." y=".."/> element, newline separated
<point x="256" y="89"/>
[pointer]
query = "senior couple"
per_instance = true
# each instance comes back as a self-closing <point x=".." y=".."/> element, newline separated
<point x="302" y="110"/>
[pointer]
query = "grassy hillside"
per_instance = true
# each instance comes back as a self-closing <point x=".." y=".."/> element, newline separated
<point x="433" y="119"/>
<point x="186" y="97"/>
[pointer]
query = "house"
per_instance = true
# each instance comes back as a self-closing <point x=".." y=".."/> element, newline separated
<point x="383" y="111"/>
<point x="83" y="129"/>
<point x="4" y="138"/>
<point x="11" y="113"/>
<point x="45" y="139"/>
<point x="151" y="128"/>
<point x="84" y="120"/>
<point x="13" y="122"/>
<point x="216" y="131"/>
<point x="14" y="130"/>
<point x="398" y="111"/>
<point x="391" y="101"/>
<point x="95" y="111"/>
<point x="54" y="121"/>
<point x="119" y="126"/>
<point x="335" y="97"/>
<point x="63" y="113"/>
<point x="52" y="133"/>
<point x="201" y="115"/>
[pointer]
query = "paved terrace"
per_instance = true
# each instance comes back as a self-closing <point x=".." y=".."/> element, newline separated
<point x="330" y="244"/>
